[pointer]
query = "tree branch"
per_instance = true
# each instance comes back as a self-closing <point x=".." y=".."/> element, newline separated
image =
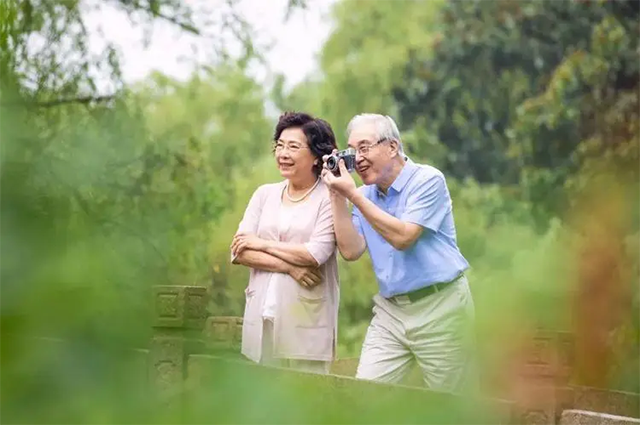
<point x="62" y="101"/>
<point x="156" y="14"/>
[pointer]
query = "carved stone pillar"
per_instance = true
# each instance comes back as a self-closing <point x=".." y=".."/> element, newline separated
<point x="542" y="391"/>
<point x="179" y="315"/>
<point x="223" y="335"/>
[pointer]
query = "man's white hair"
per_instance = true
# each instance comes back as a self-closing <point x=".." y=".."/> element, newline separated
<point x="385" y="126"/>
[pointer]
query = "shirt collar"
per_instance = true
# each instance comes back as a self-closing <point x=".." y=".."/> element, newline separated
<point x="403" y="178"/>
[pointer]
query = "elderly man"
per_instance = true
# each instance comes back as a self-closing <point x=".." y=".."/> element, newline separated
<point x="403" y="216"/>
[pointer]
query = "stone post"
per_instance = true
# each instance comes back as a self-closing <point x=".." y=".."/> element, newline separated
<point x="223" y="335"/>
<point x="179" y="316"/>
<point x="543" y="391"/>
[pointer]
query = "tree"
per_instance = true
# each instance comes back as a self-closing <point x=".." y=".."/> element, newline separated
<point x="489" y="59"/>
<point x="198" y="134"/>
<point x="363" y="58"/>
<point x="585" y="122"/>
<point x="105" y="194"/>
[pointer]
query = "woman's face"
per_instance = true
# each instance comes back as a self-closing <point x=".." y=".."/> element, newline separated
<point x="293" y="156"/>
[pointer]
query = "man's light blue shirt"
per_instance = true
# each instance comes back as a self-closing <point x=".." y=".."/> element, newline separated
<point x="418" y="195"/>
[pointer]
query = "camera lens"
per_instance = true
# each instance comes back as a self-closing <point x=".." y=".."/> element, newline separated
<point x="332" y="164"/>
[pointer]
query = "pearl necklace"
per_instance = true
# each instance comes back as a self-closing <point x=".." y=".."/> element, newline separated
<point x="286" y="192"/>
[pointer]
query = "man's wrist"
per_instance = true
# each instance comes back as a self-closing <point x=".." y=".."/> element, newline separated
<point x="337" y="197"/>
<point x="354" y="196"/>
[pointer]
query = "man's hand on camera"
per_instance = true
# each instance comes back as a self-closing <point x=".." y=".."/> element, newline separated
<point x="343" y="185"/>
<point x="306" y="276"/>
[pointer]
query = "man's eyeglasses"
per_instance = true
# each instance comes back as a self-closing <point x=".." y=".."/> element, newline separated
<point x="364" y="149"/>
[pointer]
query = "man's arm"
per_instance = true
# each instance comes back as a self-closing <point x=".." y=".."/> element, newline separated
<point x="427" y="205"/>
<point x="351" y="244"/>
<point x="400" y="234"/>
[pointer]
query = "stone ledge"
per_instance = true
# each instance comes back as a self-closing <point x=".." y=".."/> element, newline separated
<point x="348" y="366"/>
<point x="584" y="417"/>
<point x="243" y="392"/>
<point x="606" y="401"/>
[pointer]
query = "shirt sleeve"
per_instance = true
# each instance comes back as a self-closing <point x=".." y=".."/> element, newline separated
<point x="251" y="218"/>
<point x="428" y="204"/>
<point x="323" y="240"/>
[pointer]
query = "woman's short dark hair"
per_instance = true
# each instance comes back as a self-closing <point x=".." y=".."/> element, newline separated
<point x="319" y="134"/>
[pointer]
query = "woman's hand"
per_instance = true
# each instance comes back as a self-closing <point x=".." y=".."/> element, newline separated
<point x="306" y="276"/>
<point x="242" y="241"/>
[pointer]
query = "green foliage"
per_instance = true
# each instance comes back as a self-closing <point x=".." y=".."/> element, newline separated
<point x="480" y="65"/>
<point x="364" y="57"/>
<point x="196" y="138"/>
<point x="587" y="113"/>
<point x="477" y="85"/>
<point x="103" y="197"/>
<point x="528" y="107"/>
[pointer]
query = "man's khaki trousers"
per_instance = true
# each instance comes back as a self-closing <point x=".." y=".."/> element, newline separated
<point x="436" y="332"/>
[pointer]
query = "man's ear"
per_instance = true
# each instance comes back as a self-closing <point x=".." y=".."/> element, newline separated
<point x="394" y="146"/>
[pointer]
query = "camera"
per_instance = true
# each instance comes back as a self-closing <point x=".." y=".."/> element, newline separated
<point x="349" y="157"/>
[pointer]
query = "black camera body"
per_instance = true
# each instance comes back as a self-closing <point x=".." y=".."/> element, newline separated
<point x="349" y="157"/>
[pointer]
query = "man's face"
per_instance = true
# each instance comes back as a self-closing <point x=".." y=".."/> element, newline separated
<point x="373" y="159"/>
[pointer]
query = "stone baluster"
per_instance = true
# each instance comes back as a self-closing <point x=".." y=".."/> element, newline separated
<point x="543" y="391"/>
<point x="223" y="335"/>
<point x="179" y="317"/>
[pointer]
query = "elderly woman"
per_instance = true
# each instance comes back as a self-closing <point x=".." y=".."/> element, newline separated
<point x="286" y="237"/>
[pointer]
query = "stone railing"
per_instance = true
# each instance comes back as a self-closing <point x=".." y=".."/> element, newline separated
<point x="191" y="355"/>
<point x="179" y="316"/>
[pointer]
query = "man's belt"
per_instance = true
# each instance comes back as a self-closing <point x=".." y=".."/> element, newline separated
<point x="418" y="294"/>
